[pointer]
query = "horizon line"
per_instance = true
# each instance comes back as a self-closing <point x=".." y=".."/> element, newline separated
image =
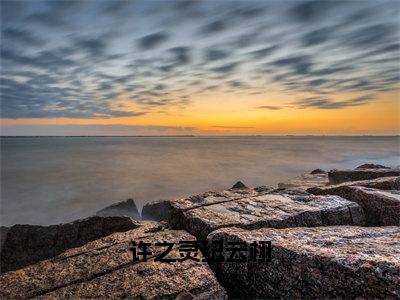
<point x="190" y="135"/>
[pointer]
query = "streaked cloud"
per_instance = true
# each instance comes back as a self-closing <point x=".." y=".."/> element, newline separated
<point x="78" y="59"/>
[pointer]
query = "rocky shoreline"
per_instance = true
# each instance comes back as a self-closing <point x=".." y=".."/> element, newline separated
<point x="334" y="234"/>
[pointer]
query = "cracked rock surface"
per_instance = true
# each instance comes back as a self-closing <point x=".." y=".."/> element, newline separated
<point x="381" y="207"/>
<point x="202" y="214"/>
<point x="27" y="244"/>
<point x="104" y="268"/>
<point x="339" y="262"/>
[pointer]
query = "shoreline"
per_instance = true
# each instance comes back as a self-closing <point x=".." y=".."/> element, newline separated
<point x="344" y="208"/>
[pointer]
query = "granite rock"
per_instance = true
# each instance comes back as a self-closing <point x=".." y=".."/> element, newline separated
<point x="124" y="208"/>
<point x="382" y="208"/>
<point x="156" y="211"/>
<point x="371" y="166"/>
<point x="381" y="183"/>
<point x="339" y="176"/>
<point x="305" y="181"/>
<point x="335" y="262"/>
<point x="28" y="244"/>
<point x="202" y="214"/>
<point x="104" y="269"/>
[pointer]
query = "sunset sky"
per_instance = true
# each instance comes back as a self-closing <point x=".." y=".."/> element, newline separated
<point x="200" y="67"/>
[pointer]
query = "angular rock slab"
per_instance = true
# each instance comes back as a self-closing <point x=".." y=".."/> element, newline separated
<point x="339" y="176"/>
<point x="382" y="208"/>
<point x="27" y="244"/>
<point x="382" y="183"/>
<point x="202" y="214"/>
<point x="336" y="262"/>
<point x="305" y="181"/>
<point x="104" y="269"/>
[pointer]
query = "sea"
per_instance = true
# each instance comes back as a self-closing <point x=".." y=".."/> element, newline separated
<point x="50" y="180"/>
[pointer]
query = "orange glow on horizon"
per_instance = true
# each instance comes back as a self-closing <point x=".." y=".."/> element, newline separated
<point x="238" y="114"/>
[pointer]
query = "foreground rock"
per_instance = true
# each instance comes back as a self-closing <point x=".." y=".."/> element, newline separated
<point x="303" y="182"/>
<point x="28" y="244"/>
<point x="339" y="176"/>
<point x="125" y="208"/>
<point x="383" y="183"/>
<point x="249" y="209"/>
<point x="345" y="262"/>
<point x="382" y="208"/>
<point x="105" y="269"/>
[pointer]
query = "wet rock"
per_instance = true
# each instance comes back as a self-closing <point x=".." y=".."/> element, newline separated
<point x="202" y="214"/>
<point x="239" y="185"/>
<point x="337" y="262"/>
<point x="381" y="208"/>
<point x="124" y="208"/>
<point x="156" y="211"/>
<point x="372" y="166"/>
<point x="104" y="269"/>
<point x="305" y="181"/>
<point x="318" y="171"/>
<point x="339" y="176"/>
<point x="28" y="244"/>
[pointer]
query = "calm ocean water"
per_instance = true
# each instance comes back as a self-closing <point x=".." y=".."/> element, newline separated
<point x="52" y="180"/>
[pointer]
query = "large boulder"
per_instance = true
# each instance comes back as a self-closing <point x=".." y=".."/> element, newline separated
<point x="381" y="208"/>
<point x="305" y="181"/>
<point x="336" y="262"/>
<point x="156" y="211"/>
<point x="105" y="269"/>
<point x="382" y="183"/>
<point x="124" y="208"/>
<point x="28" y="244"/>
<point x="204" y="213"/>
<point x="339" y="176"/>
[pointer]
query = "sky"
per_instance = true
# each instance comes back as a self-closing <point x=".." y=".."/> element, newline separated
<point x="200" y="67"/>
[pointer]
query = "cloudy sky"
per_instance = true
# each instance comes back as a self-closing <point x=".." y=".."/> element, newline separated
<point x="200" y="67"/>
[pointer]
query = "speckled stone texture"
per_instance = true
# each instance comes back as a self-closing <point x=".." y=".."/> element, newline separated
<point x="27" y="244"/>
<point x="105" y="269"/>
<point x="339" y="176"/>
<point x="305" y="181"/>
<point x="249" y="209"/>
<point x="336" y="262"/>
<point x="382" y="208"/>
<point x="382" y="183"/>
